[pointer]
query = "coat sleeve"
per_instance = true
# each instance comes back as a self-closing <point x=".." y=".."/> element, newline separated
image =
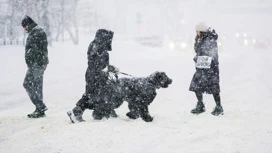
<point x="97" y="58"/>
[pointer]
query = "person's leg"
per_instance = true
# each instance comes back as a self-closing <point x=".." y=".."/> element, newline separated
<point x="77" y="112"/>
<point x="99" y="109"/>
<point x="38" y="88"/>
<point x="109" y="106"/>
<point x="199" y="96"/>
<point x="103" y="108"/>
<point x="200" y="107"/>
<point x="33" y="84"/>
<point x="217" y="99"/>
<point x="28" y="82"/>
<point x="97" y="113"/>
<point x="104" y="102"/>
<point x="218" y="110"/>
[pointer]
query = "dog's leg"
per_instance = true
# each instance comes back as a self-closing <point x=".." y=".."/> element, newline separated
<point x="134" y="111"/>
<point x="99" y="110"/>
<point x="144" y="113"/>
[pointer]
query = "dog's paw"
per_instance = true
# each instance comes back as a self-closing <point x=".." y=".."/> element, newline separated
<point x="147" y="118"/>
<point x="132" y="115"/>
<point x="113" y="114"/>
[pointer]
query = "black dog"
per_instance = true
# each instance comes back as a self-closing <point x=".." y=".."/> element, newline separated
<point x="139" y="93"/>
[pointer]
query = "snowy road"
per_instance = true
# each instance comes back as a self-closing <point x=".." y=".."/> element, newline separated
<point x="246" y="85"/>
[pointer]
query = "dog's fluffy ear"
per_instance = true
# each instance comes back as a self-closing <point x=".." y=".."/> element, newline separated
<point x="156" y="78"/>
<point x="159" y="75"/>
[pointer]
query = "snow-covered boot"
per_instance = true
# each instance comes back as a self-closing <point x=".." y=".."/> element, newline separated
<point x="76" y="115"/>
<point x="37" y="114"/>
<point x="200" y="108"/>
<point x="218" y="110"/>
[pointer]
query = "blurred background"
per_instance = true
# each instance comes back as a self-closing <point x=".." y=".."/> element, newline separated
<point x="154" y="23"/>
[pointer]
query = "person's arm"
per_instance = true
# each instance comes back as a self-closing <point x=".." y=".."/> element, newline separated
<point x="113" y="69"/>
<point x="32" y="48"/>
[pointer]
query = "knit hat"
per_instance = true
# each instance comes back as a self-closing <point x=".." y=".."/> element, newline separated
<point x="26" y="21"/>
<point x="201" y="27"/>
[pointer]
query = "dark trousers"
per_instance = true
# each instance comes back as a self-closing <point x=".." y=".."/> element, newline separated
<point x="100" y="103"/>
<point x="96" y="103"/>
<point x="33" y="84"/>
<point x="216" y="97"/>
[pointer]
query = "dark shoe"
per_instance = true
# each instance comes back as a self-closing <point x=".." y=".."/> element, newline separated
<point x="218" y="110"/>
<point x="43" y="109"/>
<point x="37" y="114"/>
<point x="132" y="115"/>
<point x="75" y="118"/>
<point x="200" y="108"/>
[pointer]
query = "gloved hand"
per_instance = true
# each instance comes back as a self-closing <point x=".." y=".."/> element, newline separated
<point x="116" y="71"/>
<point x="112" y="69"/>
<point x="105" y="69"/>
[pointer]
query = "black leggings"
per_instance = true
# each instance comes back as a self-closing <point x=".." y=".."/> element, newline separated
<point x="216" y="97"/>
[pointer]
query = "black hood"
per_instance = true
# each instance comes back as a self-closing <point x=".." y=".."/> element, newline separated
<point x="211" y="34"/>
<point x="27" y="21"/>
<point x="104" y="38"/>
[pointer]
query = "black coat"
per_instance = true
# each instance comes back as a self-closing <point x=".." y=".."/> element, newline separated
<point x="36" y="46"/>
<point x="98" y="60"/>
<point x="206" y="80"/>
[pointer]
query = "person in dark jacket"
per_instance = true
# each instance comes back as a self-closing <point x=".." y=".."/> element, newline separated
<point x="97" y="80"/>
<point x="206" y="77"/>
<point x="36" y="57"/>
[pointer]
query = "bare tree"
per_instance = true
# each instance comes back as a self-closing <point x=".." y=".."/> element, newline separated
<point x="14" y="5"/>
<point x="59" y="18"/>
<point x="73" y="36"/>
<point x="41" y="8"/>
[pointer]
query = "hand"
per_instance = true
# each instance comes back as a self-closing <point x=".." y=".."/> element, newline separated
<point x="116" y="70"/>
<point x="105" y="69"/>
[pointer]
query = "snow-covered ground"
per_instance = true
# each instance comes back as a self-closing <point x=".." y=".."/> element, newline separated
<point x="246" y="85"/>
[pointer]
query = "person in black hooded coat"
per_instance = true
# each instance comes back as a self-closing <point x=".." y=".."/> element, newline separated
<point x="36" y="58"/>
<point x="206" y="78"/>
<point x="96" y="77"/>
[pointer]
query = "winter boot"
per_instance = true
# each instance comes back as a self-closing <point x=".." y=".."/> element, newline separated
<point x="218" y="110"/>
<point x="200" y="108"/>
<point x="37" y="113"/>
<point x="76" y="115"/>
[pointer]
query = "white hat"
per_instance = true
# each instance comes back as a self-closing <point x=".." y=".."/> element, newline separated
<point x="201" y="27"/>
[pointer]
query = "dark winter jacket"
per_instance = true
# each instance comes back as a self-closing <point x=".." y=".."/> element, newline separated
<point x="36" y="46"/>
<point x="98" y="60"/>
<point x="206" y="79"/>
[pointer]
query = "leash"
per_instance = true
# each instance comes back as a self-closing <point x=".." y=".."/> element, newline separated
<point x="125" y="74"/>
